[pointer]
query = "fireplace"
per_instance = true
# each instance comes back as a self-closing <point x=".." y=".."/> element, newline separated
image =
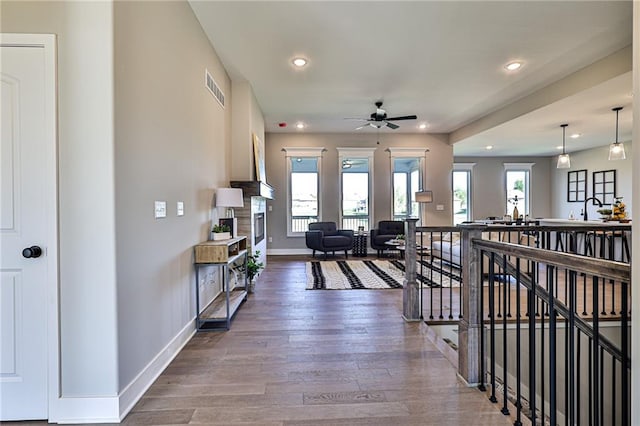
<point x="258" y="226"/>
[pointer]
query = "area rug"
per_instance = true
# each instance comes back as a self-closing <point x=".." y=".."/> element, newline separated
<point x="434" y="273"/>
<point x="374" y="274"/>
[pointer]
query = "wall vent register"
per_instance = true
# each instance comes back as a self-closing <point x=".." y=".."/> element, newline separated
<point x="213" y="87"/>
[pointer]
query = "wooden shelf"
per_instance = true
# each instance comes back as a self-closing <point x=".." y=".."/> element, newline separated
<point x="217" y="310"/>
<point x="218" y="314"/>
<point x="220" y="251"/>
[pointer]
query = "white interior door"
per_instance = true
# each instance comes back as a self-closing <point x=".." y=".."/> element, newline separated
<point x="25" y="223"/>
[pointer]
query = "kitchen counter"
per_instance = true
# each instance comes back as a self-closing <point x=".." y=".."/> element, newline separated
<point x="568" y="222"/>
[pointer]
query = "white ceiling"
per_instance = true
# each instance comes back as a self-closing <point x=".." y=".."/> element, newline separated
<point x="442" y="61"/>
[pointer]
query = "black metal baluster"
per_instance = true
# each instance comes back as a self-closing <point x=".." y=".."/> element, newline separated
<point x="531" y="301"/>
<point x="595" y="362"/>
<point x="483" y="355"/>
<point x="552" y="356"/>
<point x="518" y="421"/>
<point x="625" y="364"/>
<point x="492" y="325"/>
<point x="613" y="390"/>
<point x="601" y="367"/>
<point x="590" y="368"/>
<point x="577" y="416"/>
<point x="571" y="336"/>
<point x="505" y="367"/>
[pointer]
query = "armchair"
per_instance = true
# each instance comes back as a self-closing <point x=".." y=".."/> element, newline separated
<point x="323" y="236"/>
<point x="387" y="230"/>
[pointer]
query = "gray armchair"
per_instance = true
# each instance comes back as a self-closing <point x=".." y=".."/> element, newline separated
<point x="386" y="230"/>
<point x="325" y="237"/>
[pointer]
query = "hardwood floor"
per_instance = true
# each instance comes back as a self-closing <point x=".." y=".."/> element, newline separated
<point x="298" y="357"/>
<point x="313" y="357"/>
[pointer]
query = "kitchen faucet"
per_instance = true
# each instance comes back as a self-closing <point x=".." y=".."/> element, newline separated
<point x="585" y="205"/>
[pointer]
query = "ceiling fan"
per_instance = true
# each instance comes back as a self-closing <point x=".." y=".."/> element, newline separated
<point x="379" y="119"/>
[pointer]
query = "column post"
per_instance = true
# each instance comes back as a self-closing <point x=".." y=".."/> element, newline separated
<point x="469" y="345"/>
<point x="410" y="291"/>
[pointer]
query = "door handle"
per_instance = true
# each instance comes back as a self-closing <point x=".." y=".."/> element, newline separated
<point x="33" y="251"/>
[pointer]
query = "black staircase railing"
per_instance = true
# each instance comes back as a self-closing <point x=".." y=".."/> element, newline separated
<point x="575" y="370"/>
<point x="543" y="314"/>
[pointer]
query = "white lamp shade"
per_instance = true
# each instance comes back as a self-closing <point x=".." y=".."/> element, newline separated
<point x="229" y="197"/>
<point x="616" y="151"/>
<point x="564" y="162"/>
<point x="424" y="196"/>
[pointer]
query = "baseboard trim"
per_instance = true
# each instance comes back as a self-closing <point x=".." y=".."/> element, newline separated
<point x="132" y="393"/>
<point x="288" y="252"/>
<point x="304" y="251"/>
<point x="75" y="410"/>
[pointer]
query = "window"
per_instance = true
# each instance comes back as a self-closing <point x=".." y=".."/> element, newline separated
<point x="462" y="206"/>
<point x="303" y="194"/>
<point x="406" y="166"/>
<point x="517" y="187"/>
<point x="356" y="171"/>
<point x="406" y="182"/>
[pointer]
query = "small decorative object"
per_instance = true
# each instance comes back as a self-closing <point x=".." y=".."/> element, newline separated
<point x="605" y="214"/>
<point x="516" y="214"/>
<point x="618" y="210"/>
<point x="360" y="230"/>
<point x="400" y="237"/>
<point x="254" y="266"/>
<point x="221" y="232"/>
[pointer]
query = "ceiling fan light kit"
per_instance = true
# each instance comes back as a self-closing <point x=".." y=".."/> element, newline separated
<point x="616" y="149"/>
<point x="379" y="119"/>
<point x="564" y="162"/>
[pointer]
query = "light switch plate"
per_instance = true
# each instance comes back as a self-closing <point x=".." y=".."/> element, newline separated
<point x="160" y="209"/>
<point x="180" y="208"/>
<point x="440" y="207"/>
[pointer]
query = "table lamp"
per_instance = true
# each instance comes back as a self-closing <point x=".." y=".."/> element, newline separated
<point x="230" y="198"/>
<point x="424" y="197"/>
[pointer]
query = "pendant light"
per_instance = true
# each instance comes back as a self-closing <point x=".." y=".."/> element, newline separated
<point x="616" y="149"/>
<point x="564" y="162"/>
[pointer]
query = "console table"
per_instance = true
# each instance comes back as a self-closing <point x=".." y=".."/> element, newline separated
<point x="217" y="315"/>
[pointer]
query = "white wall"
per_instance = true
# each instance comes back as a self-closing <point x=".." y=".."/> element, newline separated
<point x="592" y="160"/>
<point x="172" y="144"/>
<point x="86" y="187"/>
<point x="488" y="192"/>
<point x="438" y="166"/>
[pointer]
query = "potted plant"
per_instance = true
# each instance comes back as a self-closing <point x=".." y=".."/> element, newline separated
<point x="221" y="232"/>
<point x="254" y="266"/>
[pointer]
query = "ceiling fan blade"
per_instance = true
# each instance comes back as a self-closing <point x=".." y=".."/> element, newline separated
<point x="392" y="126"/>
<point x="404" y="117"/>
<point x="355" y="118"/>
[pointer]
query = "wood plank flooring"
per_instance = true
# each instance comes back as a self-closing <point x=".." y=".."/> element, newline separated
<point x="311" y="358"/>
<point x="302" y="357"/>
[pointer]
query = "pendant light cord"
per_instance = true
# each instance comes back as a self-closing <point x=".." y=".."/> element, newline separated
<point x="564" y="128"/>
<point x="617" y="110"/>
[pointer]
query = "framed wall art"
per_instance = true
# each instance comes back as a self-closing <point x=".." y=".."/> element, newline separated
<point x="604" y="186"/>
<point x="258" y="156"/>
<point x="576" y="186"/>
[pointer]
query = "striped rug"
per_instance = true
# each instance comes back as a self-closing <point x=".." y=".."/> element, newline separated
<point x="372" y="274"/>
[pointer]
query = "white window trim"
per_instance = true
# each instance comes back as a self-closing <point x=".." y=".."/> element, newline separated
<point x="519" y="167"/>
<point x="309" y="153"/>
<point x="400" y="152"/>
<point x="407" y="152"/>
<point x="359" y="153"/>
<point x="465" y="167"/>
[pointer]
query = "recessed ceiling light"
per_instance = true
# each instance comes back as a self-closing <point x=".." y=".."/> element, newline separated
<point x="575" y="135"/>
<point x="488" y="147"/>
<point x="300" y="125"/>
<point x="512" y="66"/>
<point x="422" y="126"/>
<point x="299" y="62"/>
